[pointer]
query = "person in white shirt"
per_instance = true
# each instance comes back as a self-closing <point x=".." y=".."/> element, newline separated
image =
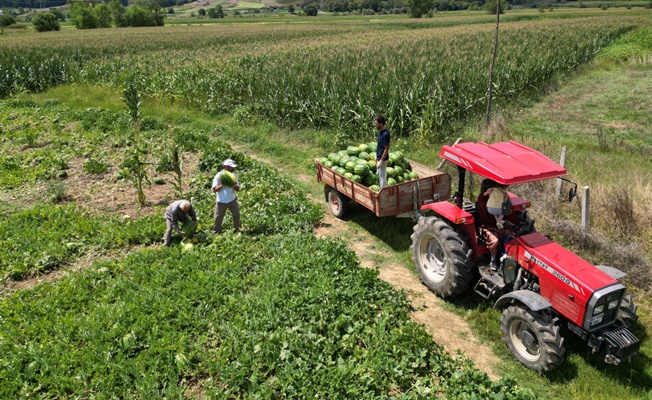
<point x="226" y="198"/>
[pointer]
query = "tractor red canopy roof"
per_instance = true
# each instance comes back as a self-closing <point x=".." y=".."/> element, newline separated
<point x="506" y="163"/>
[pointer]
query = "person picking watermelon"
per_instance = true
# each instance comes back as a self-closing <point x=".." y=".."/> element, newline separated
<point x="382" y="150"/>
<point x="225" y="184"/>
<point x="178" y="211"/>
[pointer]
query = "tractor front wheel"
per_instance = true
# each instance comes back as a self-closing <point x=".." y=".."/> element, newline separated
<point x="627" y="312"/>
<point x="441" y="257"/>
<point x="533" y="337"/>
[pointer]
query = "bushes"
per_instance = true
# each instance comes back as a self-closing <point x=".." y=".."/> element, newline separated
<point x="6" y="20"/>
<point x="44" y="22"/>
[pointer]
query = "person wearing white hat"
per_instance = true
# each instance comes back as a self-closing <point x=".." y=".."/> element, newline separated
<point x="226" y="198"/>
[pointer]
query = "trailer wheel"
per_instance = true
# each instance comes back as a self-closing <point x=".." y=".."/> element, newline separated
<point x="533" y="338"/>
<point x="337" y="203"/>
<point x="627" y="312"/>
<point x="441" y="257"/>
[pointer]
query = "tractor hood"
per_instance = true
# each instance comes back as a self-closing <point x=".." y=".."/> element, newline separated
<point x="507" y="163"/>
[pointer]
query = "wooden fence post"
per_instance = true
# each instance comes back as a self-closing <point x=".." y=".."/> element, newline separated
<point x="562" y="161"/>
<point x="585" y="208"/>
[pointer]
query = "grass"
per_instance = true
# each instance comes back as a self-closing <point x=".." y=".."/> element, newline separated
<point x="582" y="375"/>
<point x="539" y="127"/>
<point x="269" y="313"/>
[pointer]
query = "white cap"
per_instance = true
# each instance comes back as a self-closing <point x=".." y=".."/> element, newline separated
<point x="229" y="163"/>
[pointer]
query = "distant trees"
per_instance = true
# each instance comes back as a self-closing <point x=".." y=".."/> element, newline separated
<point x="491" y="5"/>
<point x="144" y="13"/>
<point x="46" y="21"/>
<point x="419" y="8"/>
<point x="311" y="10"/>
<point x="216" y="12"/>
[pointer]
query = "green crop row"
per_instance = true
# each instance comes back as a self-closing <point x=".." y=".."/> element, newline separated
<point x="46" y="237"/>
<point x="242" y="317"/>
<point x="426" y="78"/>
<point x="40" y="237"/>
<point x="426" y="81"/>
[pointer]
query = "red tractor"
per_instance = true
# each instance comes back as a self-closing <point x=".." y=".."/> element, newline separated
<point x="543" y="287"/>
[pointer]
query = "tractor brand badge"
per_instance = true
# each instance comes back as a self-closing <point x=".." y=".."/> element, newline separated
<point x="553" y="271"/>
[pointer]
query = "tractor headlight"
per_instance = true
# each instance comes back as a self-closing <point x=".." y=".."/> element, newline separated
<point x="612" y="304"/>
<point x="598" y="310"/>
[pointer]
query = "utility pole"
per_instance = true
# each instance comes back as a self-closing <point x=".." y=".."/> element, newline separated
<point x="493" y="61"/>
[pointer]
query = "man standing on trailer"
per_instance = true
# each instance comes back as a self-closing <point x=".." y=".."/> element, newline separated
<point x="382" y="150"/>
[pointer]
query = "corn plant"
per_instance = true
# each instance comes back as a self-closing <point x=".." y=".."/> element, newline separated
<point x="132" y="101"/>
<point x="133" y="169"/>
<point x="172" y="163"/>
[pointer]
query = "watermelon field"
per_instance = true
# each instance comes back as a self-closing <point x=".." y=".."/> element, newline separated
<point x="100" y="130"/>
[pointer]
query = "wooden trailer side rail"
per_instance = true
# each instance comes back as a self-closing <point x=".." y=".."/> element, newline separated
<point x="392" y="200"/>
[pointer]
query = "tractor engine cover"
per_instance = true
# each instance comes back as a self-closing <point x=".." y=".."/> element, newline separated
<point x="566" y="280"/>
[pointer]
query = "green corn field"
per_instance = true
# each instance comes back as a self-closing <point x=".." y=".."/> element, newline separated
<point x="426" y="77"/>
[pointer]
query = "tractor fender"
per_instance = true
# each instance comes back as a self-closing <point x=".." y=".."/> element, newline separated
<point x="612" y="271"/>
<point x="449" y="212"/>
<point x="531" y="300"/>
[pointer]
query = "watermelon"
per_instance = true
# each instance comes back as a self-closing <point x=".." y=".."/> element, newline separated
<point x="328" y="163"/>
<point x="352" y="151"/>
<point x="334" y="157"/>
<point x="356" y="178"/>
<point x="371" y="147"/>
<point x="370" y="180"/>
<point x="391" y="182"/>
<point x="399" y="170"/>
<point x="227" y="178"/>
<point x="400" y="179"/>
<point x="363" y="155"/>
<point x="362" y="147"/>
<point x="372" y="165"/>
<point x="414" y="175"/>
<point x="361" y="169"/>
<point x="375" y="188"/>
<point x="395" y="158"/>
<point x="391" y="172"/>
<point x="348" y="175"/>
<point x="350" y="166"/>
<point x="323" y="160"/>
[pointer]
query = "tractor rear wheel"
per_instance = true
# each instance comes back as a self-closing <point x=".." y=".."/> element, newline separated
<point x="627" y="312"/>
<point x="533" y="337"/>
<point x="337" y="203"/>
<point x="441" y="257"/>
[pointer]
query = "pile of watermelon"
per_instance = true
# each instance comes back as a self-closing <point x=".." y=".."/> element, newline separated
<point x="357" y="163"/>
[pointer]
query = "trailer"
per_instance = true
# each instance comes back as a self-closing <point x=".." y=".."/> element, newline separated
<point x="401" y="200"/>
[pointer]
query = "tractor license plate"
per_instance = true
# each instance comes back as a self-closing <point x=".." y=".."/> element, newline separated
<point x="596" y="319"/>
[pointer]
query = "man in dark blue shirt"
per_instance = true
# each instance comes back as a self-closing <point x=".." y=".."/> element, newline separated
<point x="382" y="150"/>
